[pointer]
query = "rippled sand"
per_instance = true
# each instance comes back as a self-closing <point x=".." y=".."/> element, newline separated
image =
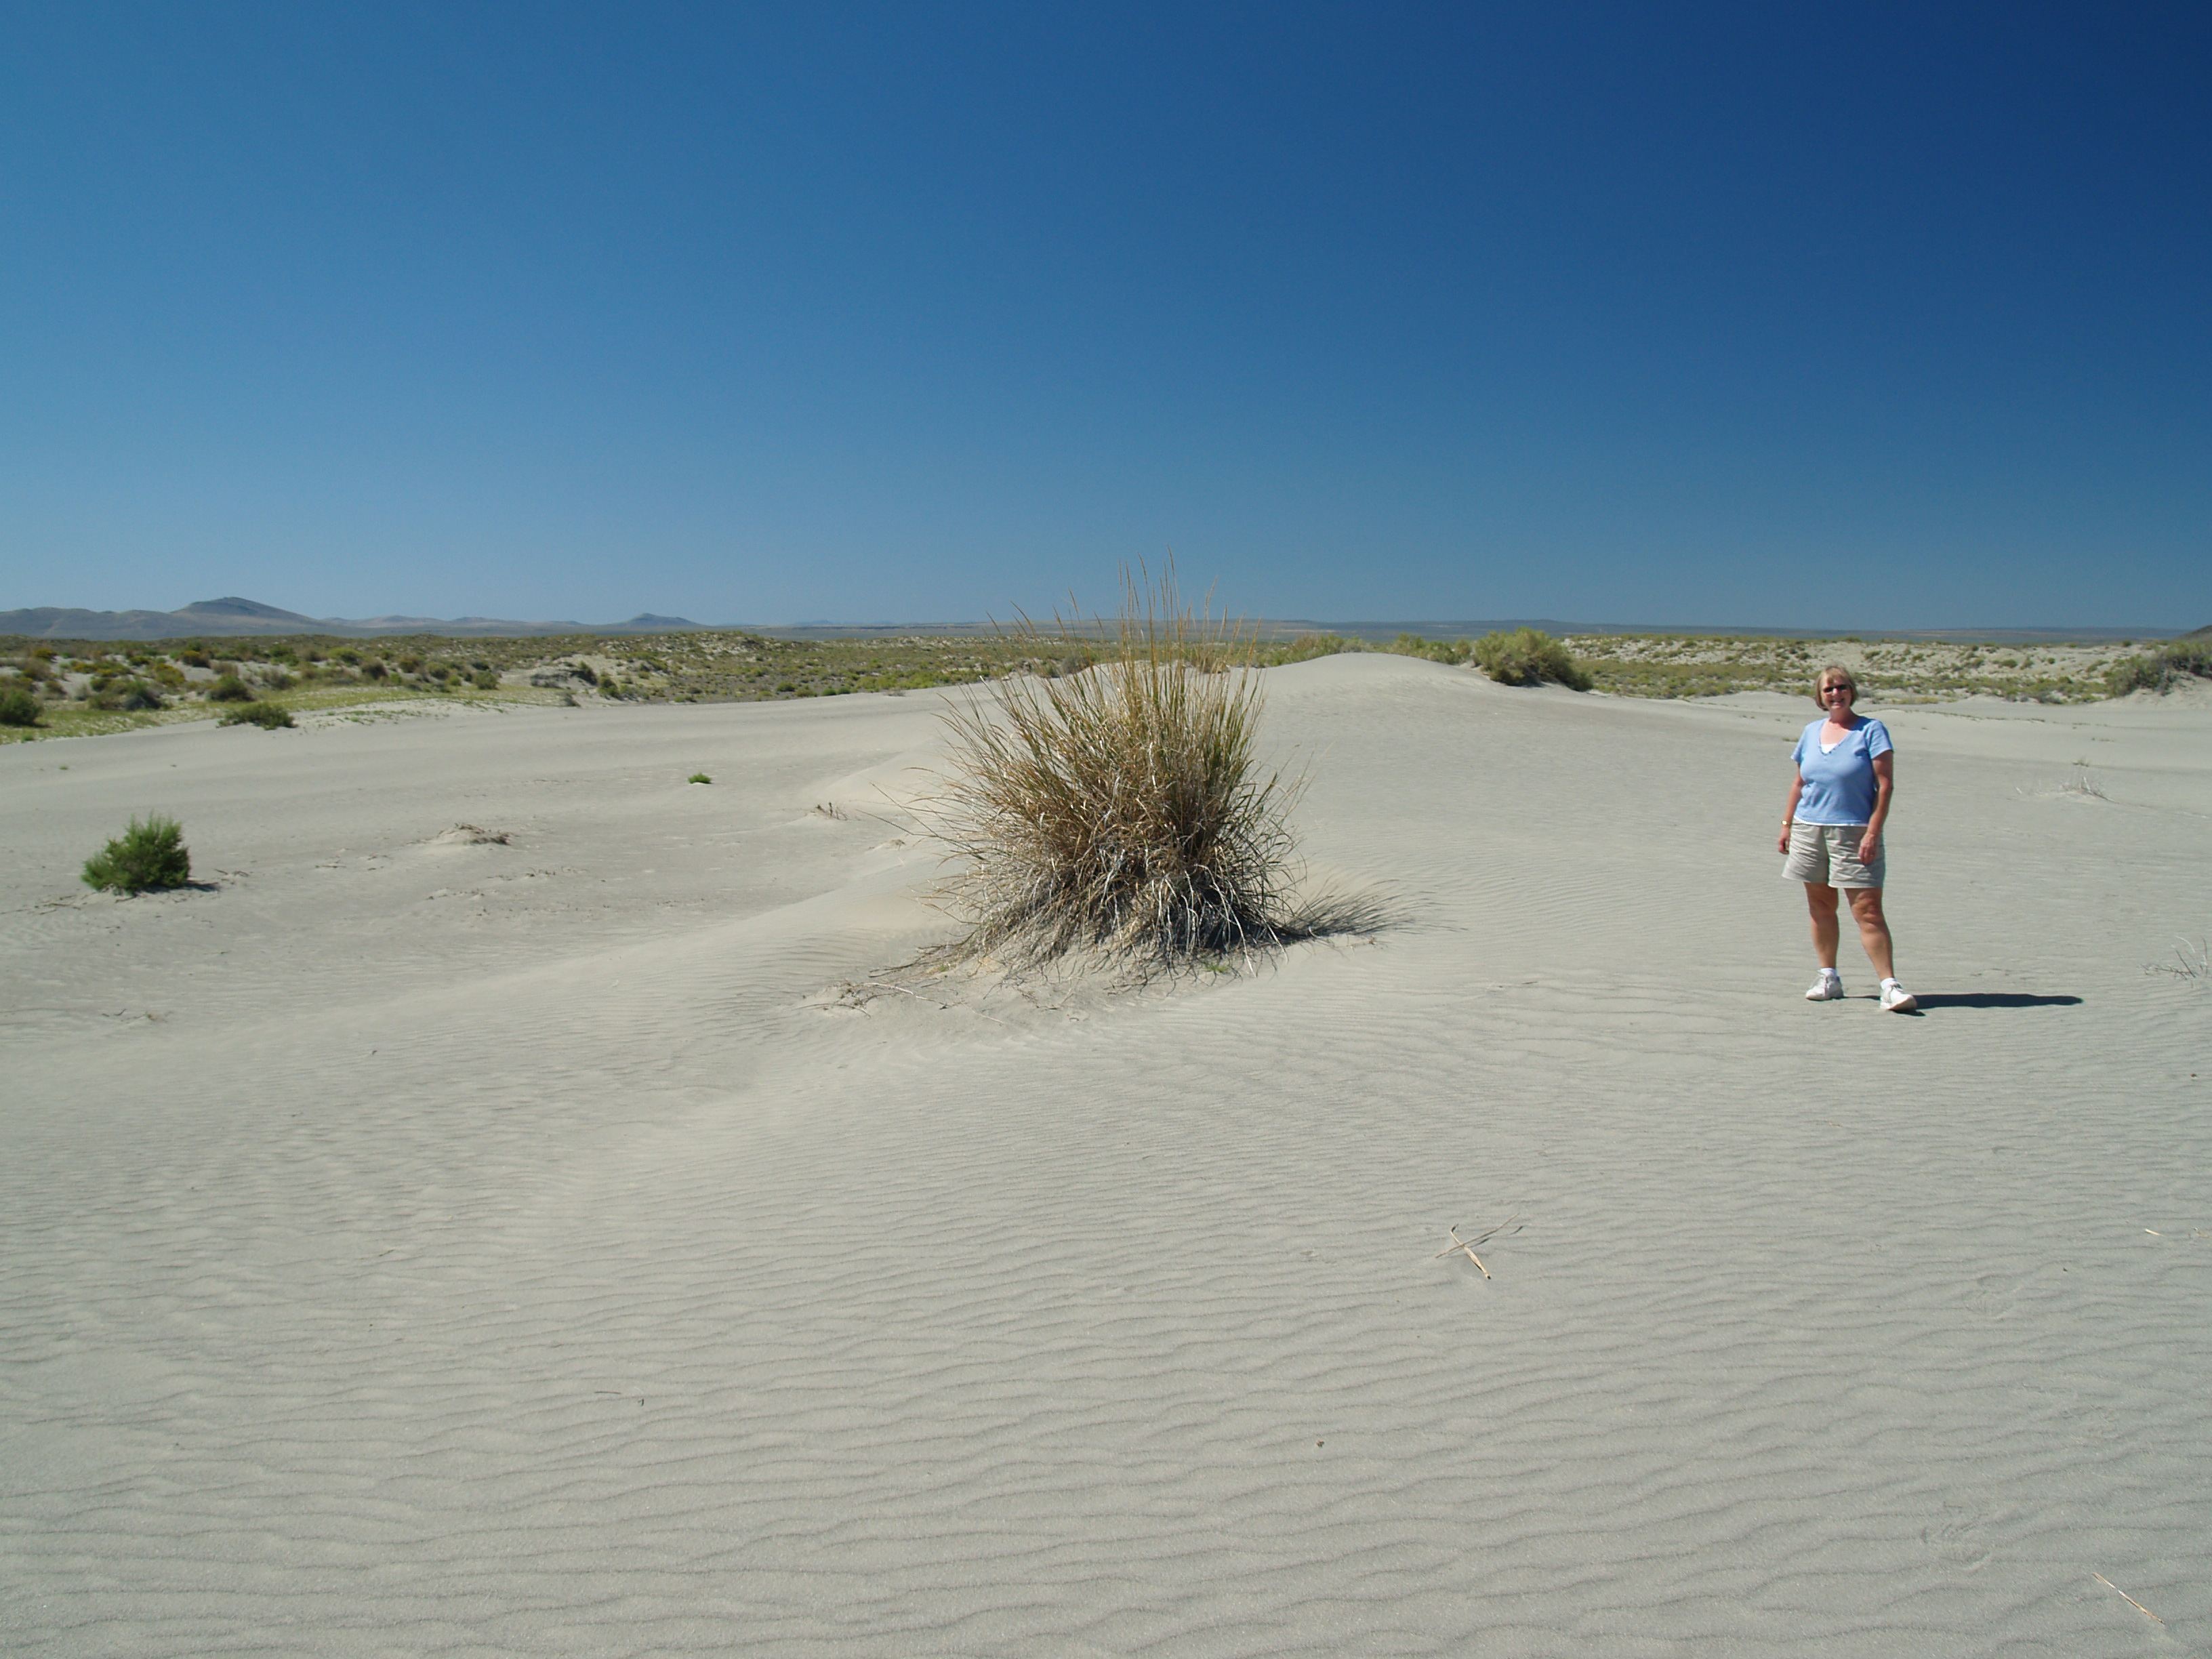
<point x="418" y="1245"/>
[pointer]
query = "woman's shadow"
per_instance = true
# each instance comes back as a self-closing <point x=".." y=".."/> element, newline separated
<point x="1991" y="999"/>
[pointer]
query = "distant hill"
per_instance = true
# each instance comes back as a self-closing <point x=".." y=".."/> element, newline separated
<point x="234" y="615"/>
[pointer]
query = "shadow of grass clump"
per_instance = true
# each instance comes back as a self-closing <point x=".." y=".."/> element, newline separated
<point x="146" y="857"/>
<point x="1120" y="812"/>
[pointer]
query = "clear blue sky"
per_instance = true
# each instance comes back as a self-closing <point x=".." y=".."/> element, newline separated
<point x="1854" y="315"/>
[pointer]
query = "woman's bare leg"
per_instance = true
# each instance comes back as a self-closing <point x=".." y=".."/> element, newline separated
<point x="1874" y="928"/>
<point x="1821" y="900"/>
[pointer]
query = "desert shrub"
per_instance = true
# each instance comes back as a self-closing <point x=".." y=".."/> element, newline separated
<point x="278" y="680"/>
<point x="1306" y="648"/>
<point x="192" y="657"/>
<point x="128" y="696"/>
<point x="699" y="777"/>
<point x="1528" y="656"/>
<point x="486" y="679"/>
<point x="18" y="708"/>
<point x="269" y="716"/>
<point x="229" y="689"/>
<point x="374" y="669"/>
<point x="2171" y="664"/>
<point x="583" y="671"/>
<point x="148" y="854"/>
<point x="1444" y="651"/>
<point x="1120" y="811"/>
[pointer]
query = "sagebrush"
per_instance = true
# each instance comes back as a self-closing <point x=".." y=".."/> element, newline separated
<point x="2163" y="669"/>
<point x="1529" y="656"/>
<point x="150" y="854"/>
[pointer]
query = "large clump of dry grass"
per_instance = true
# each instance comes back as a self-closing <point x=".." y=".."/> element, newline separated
<point x="1122" y="811"/>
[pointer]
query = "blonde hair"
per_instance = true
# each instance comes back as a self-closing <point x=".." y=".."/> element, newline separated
<point x="1835" y="674"/>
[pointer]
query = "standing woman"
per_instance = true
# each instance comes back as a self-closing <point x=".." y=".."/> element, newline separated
<point x="1832" y="831"/>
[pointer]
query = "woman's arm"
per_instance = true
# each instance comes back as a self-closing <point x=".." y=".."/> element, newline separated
<point x="1884" y="786"/>
<point x="1789" y="811"/>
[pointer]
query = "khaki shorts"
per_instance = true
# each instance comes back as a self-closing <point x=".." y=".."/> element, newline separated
<point x="1829" y="853"/>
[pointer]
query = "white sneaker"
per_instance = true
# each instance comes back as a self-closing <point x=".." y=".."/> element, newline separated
<point x="1828" y="987"/>
<point x="1897" y="998"/>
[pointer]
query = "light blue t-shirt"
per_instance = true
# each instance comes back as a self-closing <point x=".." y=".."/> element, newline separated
<point x="1839" y="785"/>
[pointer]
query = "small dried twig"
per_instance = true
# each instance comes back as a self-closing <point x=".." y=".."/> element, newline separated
<point x="942" y="1007"/>
<point x="2127" y="1598"/>
<point x="1459" y="1244"/>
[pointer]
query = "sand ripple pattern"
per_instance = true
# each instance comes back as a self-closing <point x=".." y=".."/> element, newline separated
<point x="600" y="1293"/>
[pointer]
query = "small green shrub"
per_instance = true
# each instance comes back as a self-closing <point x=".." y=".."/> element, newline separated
<point x="229" y="689"/>
<point x="146" y="856"/>
<point x="1442" y="650"/>
<point x="486" y="679"/>
<point x="2169" y="666"/>
<point x="128" y="696"/>
<point x="18" y="708"/>
<point x="269" y="716"/>
<point x="699" y="777"/>
<point x="1528" y="656"/>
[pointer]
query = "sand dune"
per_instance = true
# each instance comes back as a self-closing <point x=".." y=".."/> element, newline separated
<point x="426" y="1246"/>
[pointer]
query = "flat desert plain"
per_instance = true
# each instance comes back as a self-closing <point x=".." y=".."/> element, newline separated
<point x="582" y="1243"/>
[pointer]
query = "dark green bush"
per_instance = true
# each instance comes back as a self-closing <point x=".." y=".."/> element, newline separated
<point x="128" y="696"/>
<point x="2169" y="665"/>
<point x="267" y="715"/>
<point x="1442" y="650"/>
<point x="146" y="856"/>
<point x="229" y="689"/>
<point x="486" y="679"/>
<point x="18" y="708"/>
<point x="1528" y="656"/>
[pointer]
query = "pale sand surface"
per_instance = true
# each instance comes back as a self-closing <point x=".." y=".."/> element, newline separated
<point x="415" y="1248"/>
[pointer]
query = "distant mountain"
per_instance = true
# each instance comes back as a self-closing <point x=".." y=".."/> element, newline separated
<point x="234" y="615"/>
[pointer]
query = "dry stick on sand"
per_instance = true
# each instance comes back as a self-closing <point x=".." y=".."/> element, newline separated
<point x="1468" y="1244"/>
<point x="2127" y="1598"/>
